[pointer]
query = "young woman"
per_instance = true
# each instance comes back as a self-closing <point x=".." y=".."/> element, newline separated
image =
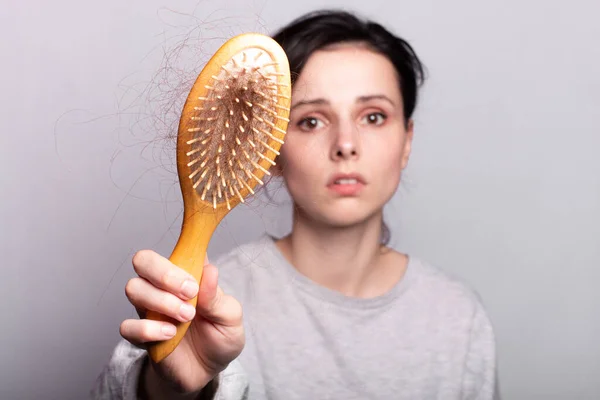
<point x="329" y="311"/>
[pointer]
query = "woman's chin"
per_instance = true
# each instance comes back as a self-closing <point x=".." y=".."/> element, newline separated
<point x="347" y="217"/>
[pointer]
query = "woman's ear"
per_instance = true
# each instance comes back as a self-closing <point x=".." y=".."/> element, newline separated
<point x="407" y="143"/>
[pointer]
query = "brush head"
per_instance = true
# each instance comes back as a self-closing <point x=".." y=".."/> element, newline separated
<point x="234" y="121"/>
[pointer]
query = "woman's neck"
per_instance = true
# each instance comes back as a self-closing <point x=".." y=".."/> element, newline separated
<point x="350" y="260"/>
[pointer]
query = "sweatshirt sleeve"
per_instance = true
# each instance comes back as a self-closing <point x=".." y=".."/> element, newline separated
<point x="480" y="377"/>
<point x="120" y="377"/>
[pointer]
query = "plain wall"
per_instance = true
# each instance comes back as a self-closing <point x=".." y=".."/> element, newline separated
<point x="503" y="188"/>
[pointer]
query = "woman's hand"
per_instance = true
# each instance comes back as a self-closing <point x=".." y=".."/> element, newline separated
<point x="215" y="336"/>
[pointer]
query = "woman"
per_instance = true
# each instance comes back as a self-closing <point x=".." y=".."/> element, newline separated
<point x="329" y="312"/>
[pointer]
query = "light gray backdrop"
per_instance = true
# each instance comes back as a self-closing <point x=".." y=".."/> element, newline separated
<point x="503" y="186"/>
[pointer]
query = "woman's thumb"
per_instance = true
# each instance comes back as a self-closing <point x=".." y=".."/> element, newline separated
<point x="209" y="292"/>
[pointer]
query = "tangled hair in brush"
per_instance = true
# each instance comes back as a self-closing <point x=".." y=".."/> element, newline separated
<point x="322" y="29"/>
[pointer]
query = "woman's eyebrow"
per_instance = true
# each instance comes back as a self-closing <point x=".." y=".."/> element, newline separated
<point x="319" y="101"/>
<point x="364" y="99"/>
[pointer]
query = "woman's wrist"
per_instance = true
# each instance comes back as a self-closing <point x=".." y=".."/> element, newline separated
<point x="153" y="387"/>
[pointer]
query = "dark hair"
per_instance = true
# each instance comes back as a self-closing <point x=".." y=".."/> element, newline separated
<point x="321" y="29"/>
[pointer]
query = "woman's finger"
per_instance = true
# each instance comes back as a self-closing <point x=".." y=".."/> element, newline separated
<point x="165" y="275"/>
<point x="138" y="332"/>
<point x="145" y="296"/>
<point x="215" y="305"/>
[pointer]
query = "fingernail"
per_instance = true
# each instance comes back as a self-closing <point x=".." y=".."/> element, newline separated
<point x="189" y="288"/>
<point x="187" y="311"/>
<point x="168" y="330"/>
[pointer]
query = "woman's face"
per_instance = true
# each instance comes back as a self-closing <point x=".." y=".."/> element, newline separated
<point x="347" y="142"/>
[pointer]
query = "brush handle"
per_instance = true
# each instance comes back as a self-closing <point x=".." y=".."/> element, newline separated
<point x="189" y="254"/>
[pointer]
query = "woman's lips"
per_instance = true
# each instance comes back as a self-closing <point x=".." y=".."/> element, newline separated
<point x="346" y="184"/>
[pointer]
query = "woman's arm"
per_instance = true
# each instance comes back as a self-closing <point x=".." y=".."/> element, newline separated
<point x="129" y="376"/>
<point x="480" y="378"/>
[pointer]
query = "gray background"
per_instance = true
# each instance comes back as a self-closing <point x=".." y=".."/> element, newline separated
<point x="502" y="189"/>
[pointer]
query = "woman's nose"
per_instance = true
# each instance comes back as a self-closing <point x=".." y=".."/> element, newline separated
<point x="345" y="145"/>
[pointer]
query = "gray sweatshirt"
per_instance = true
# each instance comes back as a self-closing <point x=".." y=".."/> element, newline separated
<point x="427" y="338"/>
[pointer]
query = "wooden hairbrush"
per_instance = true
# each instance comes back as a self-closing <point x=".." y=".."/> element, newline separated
<point x="231" y="128"/>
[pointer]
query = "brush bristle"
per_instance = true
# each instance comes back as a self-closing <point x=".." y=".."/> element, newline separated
<point x="233" y="126"/>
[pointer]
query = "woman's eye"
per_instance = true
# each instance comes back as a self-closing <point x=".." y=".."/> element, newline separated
<point x="309" y="123"/>
<point x="375" y="118"/>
